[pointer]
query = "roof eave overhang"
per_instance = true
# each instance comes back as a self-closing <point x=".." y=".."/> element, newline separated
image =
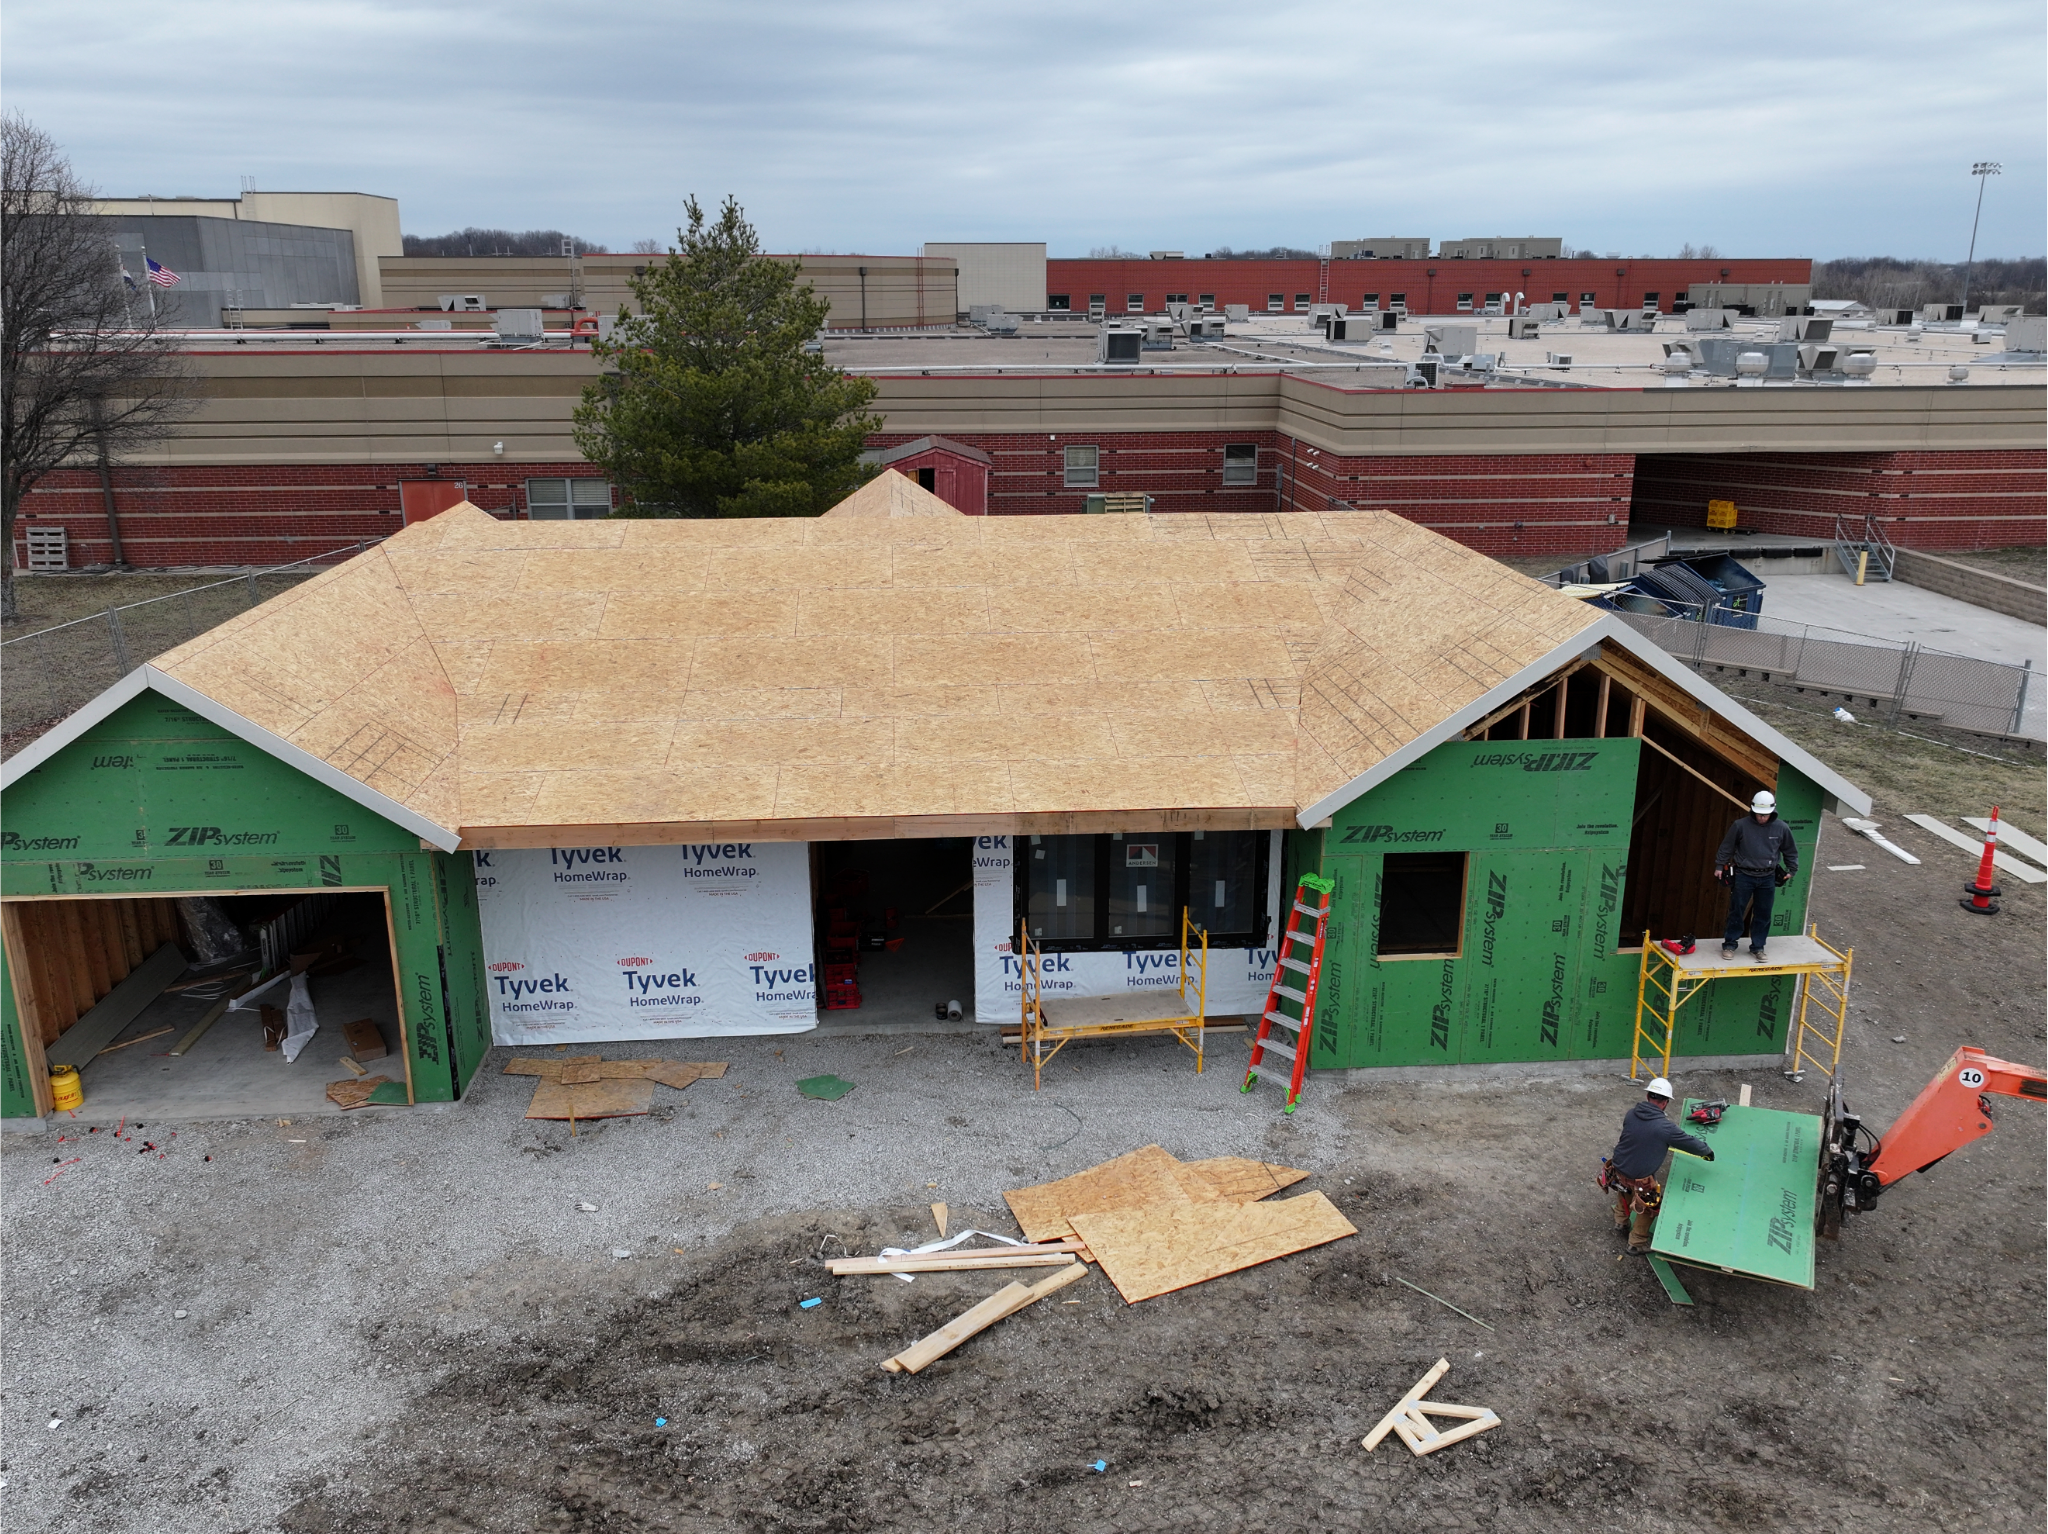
<point x="148" y="679"/>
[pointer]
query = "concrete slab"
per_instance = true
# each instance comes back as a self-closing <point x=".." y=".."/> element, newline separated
<point x="1891" y="611"/>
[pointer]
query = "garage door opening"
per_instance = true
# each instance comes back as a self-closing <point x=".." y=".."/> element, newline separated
<point x="138" y="995"/>
<point x="895" y="930"/>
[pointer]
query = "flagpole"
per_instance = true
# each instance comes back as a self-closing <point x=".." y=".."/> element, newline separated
<point x="150" y="283"/>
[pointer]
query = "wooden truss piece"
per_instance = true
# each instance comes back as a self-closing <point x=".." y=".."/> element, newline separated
<point x="1006" y="1301"/>
<point x="1410" y="1418"/>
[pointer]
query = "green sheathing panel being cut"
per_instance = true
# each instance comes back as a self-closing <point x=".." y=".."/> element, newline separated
<point x="158" y="801"/>
<point x="1750" y="1209"/>
<point x="1544" y="825"/>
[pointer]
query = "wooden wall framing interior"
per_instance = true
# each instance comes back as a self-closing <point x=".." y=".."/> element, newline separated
<point x="65" y="956"/>
<point x="1697" y="773"/>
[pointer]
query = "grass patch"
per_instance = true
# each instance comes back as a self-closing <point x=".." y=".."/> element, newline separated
<point x="2024" y="564"/>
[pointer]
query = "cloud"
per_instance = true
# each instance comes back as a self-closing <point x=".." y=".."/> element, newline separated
<point x="1820" y="129"/>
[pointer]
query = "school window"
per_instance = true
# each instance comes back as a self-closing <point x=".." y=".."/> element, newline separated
<point x="1422" y="904"/>
<point x="1589" y="299"/>
<point x="1649" y="303"/>
<point x="1398" y="301"/>
<point x="1464" y="300"/>
<point x="1128" y="889"/>
<point x="1057" y="301"/>
<point x="1276" y="303"/>
<point x="1207" y="300"/>
<point x="1097" y="300"/>
<point x="1302" y="301"/>
<point x="1560" y="298"/>
<point x="1241" y="463"/>
<point x="568" y="500"/>
<point x="1176" y="298"/>
<point x="1084" y="467"/>
<point x="1134" y="303"/>
<point x="1370" y="301"/>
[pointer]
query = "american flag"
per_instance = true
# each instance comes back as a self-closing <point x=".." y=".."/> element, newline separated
<point x="160" y="274"/>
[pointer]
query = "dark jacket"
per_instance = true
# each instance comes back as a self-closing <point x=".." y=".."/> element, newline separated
<point x="1758" y="848"/>
<point x="1645" y="1135"/>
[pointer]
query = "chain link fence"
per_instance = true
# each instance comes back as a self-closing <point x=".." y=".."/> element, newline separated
<point x="55" y="671"/>
<point x="1895" y="683"/>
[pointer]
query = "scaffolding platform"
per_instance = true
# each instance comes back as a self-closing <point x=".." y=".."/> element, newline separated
<point x="1052" y="1022"/>
<point x="1667" y="981"/>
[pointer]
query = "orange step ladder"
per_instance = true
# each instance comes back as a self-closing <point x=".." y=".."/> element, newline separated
<point x="1301" y="1024"/>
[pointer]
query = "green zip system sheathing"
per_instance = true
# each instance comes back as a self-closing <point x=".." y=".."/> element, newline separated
<point x="155" y="800"/>
<point x="1542" y="971"/>
<point x="1750" y="1209"/>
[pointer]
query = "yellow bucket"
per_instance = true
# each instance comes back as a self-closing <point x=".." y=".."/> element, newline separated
<point x="66" y="1095"/>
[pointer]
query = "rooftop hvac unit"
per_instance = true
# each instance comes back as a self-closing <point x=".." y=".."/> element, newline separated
<point x="1942" y="314"/>
<point x="558" y="300"/>
<point x="1560" y="361"/>
<point x="1180" y="311"/>
<point x="519" y="325"/>
<point x="462" y="303"/>
<point x="49" y="548"/>
<point x="1097" y="308"/>
<point x="1523" y="327"/>
<point x="1552" y="312"/>
<point x="1239" y="312"/>
<point x="1803" y="327"/>
<point x="1205" y="328"/>
<point x="1814" y="358"/>
<point x="1451" y="340"/>
<point x="1996" y="314"/>
<point x="1119" y="344"/>
<point x="1896" y="316"/>
<point x="2026" y="333"/>
<point x="1708" y="319"/>
<point x="1158" y="335"/>
<point x="1000" y="324"/>
<point x="977" y="314"/>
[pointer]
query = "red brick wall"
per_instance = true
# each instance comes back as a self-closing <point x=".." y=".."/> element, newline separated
<point x="1617" y="284"/>
<point x="1922" y="500"/>
<point x="233" y="515"/>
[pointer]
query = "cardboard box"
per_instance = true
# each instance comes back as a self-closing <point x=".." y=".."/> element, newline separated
<point x="365" y="1039"/>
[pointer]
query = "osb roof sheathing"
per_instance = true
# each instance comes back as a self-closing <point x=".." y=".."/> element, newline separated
<point x="551" y="683"/>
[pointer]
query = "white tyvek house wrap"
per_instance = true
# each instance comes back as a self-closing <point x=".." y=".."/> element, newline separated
<point x="1238" y="977"/>
<point x="602" y="943"/>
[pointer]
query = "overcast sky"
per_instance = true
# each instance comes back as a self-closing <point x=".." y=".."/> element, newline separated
<point x="1813" y="128"/>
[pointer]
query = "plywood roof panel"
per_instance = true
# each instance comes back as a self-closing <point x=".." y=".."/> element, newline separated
<point x="861" y="673"/>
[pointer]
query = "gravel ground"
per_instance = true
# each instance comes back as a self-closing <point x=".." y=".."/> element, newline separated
<point x="404" y="1321"/>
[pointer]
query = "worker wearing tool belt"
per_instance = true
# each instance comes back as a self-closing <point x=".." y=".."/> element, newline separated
<point x="1757" y="858"/>
<point x="1630" y="1173"/>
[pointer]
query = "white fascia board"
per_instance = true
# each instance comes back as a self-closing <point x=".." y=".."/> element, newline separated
<point x="1709" y="696"/>
<point x="1609" y="626"/>
<point x="68" y="729"/>
<point x="1586" y="639"/>
<point x="148" y="678"/>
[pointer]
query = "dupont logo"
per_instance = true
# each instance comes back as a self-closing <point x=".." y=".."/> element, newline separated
<point x="633" y="963"/>
<point x="762" y="958"/>
<point x="504" y="965"/>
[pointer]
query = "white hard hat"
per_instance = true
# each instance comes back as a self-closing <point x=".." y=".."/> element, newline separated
<point x="1660" y="1088"/>
<point x="1764" y="802"/>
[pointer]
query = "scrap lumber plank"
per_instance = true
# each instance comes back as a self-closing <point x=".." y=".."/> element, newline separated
<point x="2019" y="841"/>
<point x="582" y="1075"/>
<point x="1150" y="1252"/>
<point x="1005" y="1302"/>
<point x="1974" y="845"/>
<point x="680" y="1073"/>
<point x="939" y="1219"/>
<point x="1421" y="1389"/>
<point x="594" y="1100"/>
<point x="93" y="1032"/>
<point x="947" y="1263"/>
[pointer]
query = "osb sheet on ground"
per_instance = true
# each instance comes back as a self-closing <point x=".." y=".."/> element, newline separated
<point x="1150" y="1252"/>
<point x="591" y="1087"/>
<point x="1147" y="1178"/>
<point x="620" y="1097"/>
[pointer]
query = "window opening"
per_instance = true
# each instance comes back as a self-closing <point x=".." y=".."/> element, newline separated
<point x="1134" y="303"/>
<point x="568" y="500"/>
<point x="1056" y="301"/>
<point x="1126" y="890"/>
<point x="1241" y="463"/>
<point x="1422" y="904"/>
<point x="1084" y="467"/>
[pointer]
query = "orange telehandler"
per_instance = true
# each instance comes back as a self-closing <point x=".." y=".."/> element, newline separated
<point x="1952" y="1110"/>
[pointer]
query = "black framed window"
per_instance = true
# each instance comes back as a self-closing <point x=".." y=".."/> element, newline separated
<point x="1081" y="894"/>
<point x="1056" y="301"/>
<point x="1422" y="905"/>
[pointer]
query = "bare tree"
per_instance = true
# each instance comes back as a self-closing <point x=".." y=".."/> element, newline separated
<point x="647" y="248"/>
<point x="82" y="379"/>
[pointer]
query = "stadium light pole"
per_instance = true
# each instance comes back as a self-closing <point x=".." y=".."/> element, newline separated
<point x="1983" y="170"/>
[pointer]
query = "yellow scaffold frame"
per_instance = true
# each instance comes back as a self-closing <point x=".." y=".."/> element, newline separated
<point x="1664" y="986"/>
<point x="1188" y="1024"/>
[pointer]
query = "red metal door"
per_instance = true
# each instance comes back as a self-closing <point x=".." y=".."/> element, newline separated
<point x="420" y="499"/>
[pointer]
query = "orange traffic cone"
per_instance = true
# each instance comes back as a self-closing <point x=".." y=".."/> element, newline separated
<point x="1980" y="902"/>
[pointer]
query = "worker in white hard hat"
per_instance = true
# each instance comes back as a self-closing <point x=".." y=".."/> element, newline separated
<point x="1630" y="1172"/>
<point x="1757" y="858"/>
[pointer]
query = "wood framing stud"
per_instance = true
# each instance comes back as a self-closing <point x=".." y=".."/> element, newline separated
<point x="1409" y="1419"/>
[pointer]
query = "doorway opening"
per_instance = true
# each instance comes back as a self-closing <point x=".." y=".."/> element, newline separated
<point x="138" y="994"/>
<point x="894" y="922"/>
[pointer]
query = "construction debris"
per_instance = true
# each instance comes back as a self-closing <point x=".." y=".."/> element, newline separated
<point x="1410" y="1418"/>
<point x="939" y="1217"/>
<point x="1006" y="1301"/>
<point x="826" y="1088"/>
<point x="370" y="1091"/>
<point x="1147" y="1178"/>
<point x="576" y="1087"/>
